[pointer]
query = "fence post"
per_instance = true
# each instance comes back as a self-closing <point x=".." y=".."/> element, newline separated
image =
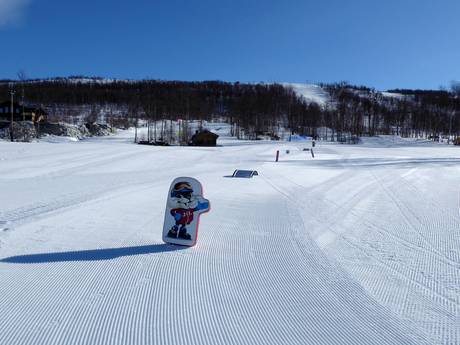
<point x="277" y="155"/>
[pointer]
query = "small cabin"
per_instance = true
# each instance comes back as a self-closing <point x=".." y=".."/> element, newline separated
<point x="204" y="138"/>
<point x="21" y="113"/>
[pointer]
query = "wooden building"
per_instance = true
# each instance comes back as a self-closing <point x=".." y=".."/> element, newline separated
<point x="204" y="138"/>
<point x="20" y="113"/>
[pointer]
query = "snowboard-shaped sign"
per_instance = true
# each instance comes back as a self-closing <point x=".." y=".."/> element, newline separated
<point x="183" y="209"/>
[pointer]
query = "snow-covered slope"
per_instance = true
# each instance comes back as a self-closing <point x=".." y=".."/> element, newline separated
<point x="399" y="96"/>
<point x="357" y="246"/>
<point x="310" y="92"/>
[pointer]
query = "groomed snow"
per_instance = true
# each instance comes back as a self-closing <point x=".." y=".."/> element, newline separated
<point x="357" y="246"/>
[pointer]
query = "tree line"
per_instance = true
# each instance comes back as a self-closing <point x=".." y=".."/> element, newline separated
<point x="251" y="109"/>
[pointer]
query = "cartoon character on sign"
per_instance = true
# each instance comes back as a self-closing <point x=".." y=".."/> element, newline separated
<point x="185" y="204"/>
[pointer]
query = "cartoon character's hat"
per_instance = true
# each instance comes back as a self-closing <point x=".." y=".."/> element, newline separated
<point x="182" y="189"/>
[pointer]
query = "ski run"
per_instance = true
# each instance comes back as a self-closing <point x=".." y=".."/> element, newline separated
<point x="359" y="245"/>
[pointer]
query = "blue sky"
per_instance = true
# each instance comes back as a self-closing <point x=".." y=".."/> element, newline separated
<point x="385" y="44"/>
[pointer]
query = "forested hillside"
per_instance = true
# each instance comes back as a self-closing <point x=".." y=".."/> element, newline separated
<point x="252" y="109"/>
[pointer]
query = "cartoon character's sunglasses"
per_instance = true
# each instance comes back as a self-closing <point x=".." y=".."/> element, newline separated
<point x="185" y="192"/>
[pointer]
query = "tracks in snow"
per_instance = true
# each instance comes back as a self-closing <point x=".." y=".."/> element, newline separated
<point x="282" y="265"/>
<point x="46" y="208"/>
<point x="254" y="278"/>
<point x="382" y="236"/>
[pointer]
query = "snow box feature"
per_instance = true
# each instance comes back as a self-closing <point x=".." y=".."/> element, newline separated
<point x="245" y="173"/>
<point x="184" y="206"/>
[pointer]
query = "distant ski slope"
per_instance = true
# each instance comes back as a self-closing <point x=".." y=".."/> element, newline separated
<point x="359" y="246"/>
<point x="310" y="92"/>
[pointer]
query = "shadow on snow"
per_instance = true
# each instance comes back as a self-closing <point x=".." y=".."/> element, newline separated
<point x="92" y="255"/>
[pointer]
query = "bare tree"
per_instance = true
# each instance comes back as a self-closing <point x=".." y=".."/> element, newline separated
<point x="455" y="87"/>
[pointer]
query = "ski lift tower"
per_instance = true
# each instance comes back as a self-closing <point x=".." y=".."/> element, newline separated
<point x="12" y="92"/>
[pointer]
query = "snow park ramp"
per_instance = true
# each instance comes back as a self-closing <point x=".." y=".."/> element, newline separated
<point x="245" y="173"/>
